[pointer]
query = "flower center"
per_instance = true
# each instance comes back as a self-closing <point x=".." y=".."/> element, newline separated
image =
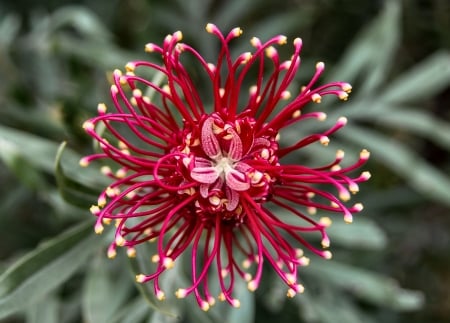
<point x="226" y="159"/>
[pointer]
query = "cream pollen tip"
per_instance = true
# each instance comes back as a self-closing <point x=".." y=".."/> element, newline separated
<point x="326" y="221"/>
<point x="84" y="162"/>
<point x="168" y="262"/>
<point x="210" y="27"/>
<point x="237" y="31"/>
<point x="149" y="48"/>
<point x="327" y="254"/>
<point x="130" y="66"/>
<point x="366" y="175"/>
<point x="255" y="42"/>
<point x="160" y="295"/>
<point x="364" y="154"/>
<point x="252" y="285"/>
<point x="137" y="93"/>
<point x="88" y="126"/>
<point x="131" y="253"/>
<point x="320" y="65"/>
<point x="178" y="35"/>
<point x="298" y="41"/>
<point x="140" y="278"/>
<point x="282" y="40"/>
<point x="358" y="207"/>
<point x="111" y="254"/>
<point x="321" y="116"/>
<point x="101" y="108"/>
<point x="101" y="201"/>
<point x="316" y="98"/>
<point x="120" y="241"/>
<point x="346" y="87"/>
<point x="181" y="293"/>
<point x="291" y="293"/>
<point x="98" y="228"/>
<point x="343" y="121"/>
<point x="348" y="218"/>
<point x="236" y="303"/>
<point x="344" y="196"/>
<point x="205" y="306"/>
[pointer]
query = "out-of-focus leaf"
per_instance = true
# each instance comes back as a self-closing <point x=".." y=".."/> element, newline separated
<point x="139" y="265"/>
<point x="159" y="317"/>
<point x="422" y="176"/>
<point x="97" y="55"/>
<point x="362" y="233"/>
<point x="72" y="191"/>
<point x="417" y="122"/>
<point x="135" y="311"/>
<point x="366" y="285"/>
<point x="45" y="268"/>
<point x="9" y="28"/>
<point x="41" y="153"/>
<point x="104" y="294"/>
<point x="246" y="312"/>
<point x="80" y="18"/>
<point x="324" y="307"/>
<point x="232" y="12"/>
<point x="421" y="82"/>
<point x="46" y="310"/>
<point x="370" y="54"/>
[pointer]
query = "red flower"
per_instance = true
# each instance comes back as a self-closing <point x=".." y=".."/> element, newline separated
<point x="206" y="181"/>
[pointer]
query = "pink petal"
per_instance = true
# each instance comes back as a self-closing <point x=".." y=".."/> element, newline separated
<point x="235" y="152"/>
<point x="210" y="144"/>
<point x="205" y="175"/>
<point x="233" y="199"/>
<point x="236" y="180"/>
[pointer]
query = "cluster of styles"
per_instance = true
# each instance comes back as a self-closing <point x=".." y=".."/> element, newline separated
<point x="205" y="177"/>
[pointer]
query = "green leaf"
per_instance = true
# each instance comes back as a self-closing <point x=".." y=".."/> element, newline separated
<point x="139" y="265"/>
<point x="371" y="53"/>
<point x="325" y="307"/>
<point x="73" y="191"/>
<point x="135" y="311"/>
<point x="421" y="82"/>
<point x="82" y="19"/>
<point x="45" y="268"/>
<point x="418" y="122"/>
<point x="46" y="310"/>
<point x="40" y="153"/>
<point x="362" y="233"/>
<point x="104" y="291"/>
<point x="421" y="175"/>
<point x="246" y="312"/>
<point x="366" y="285"/>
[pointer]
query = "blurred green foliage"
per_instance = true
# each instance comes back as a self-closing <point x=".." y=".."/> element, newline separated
<point x="55" y="57"/>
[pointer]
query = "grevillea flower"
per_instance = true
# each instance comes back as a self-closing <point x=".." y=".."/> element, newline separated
<point x="204" y="176"/>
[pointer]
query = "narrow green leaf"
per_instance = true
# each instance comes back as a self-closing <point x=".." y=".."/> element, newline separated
<point x="46" y="310"/>
<point x="362" y="233"/>
<point x="323" y="306"/>
<point x="138" y="266"/>
<point x="367" y="285"/>
<point x="415" y="170"/>
<point x="80" y="18"/>
<point x="45" y="268"/>
<point x="105" y="290"/>
<point x="246" y="312"/>
<point x="73" y="191"/>
<point x="40" y="153"/>
<point x="371" y="52"/>
<point x="421" y="82"/>
<point x="135" y="311"/>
